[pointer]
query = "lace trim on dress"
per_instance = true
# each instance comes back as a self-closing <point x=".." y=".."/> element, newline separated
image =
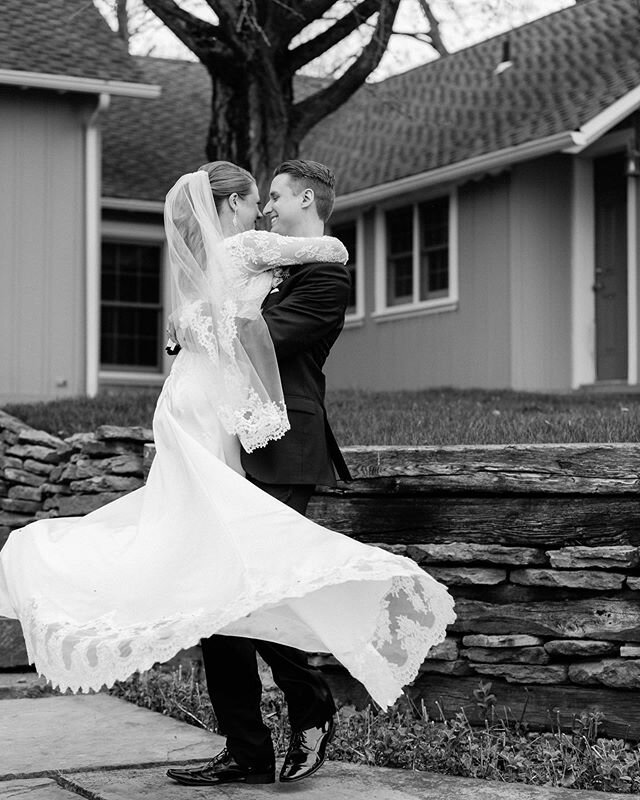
<point x="254" y="420"/>
<point x="414" y="615"/>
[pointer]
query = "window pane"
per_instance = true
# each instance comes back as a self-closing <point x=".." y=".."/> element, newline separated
<point x="434" y="248"/>
<point x="434" y="274"/>
<point x="131" y="313"/>
<point x="400" y="230"/>
<point x="400" y="280"/>
<point x="346" y="232"/>
<point x="434" y="222"/>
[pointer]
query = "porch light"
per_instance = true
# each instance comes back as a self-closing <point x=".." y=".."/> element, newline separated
<point x="633" y="163"/>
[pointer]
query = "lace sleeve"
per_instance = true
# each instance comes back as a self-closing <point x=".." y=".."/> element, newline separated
<point x="261" y="250"/>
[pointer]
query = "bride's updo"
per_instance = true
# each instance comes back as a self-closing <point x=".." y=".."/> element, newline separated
<point x="225" y="179"/>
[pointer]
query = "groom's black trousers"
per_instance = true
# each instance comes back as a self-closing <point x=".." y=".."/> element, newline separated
<point x="234" y="684"/>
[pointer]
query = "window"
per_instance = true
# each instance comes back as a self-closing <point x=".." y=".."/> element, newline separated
<point x="347" y="232"/>
<point x="416" y="266"/>
<point x="400" y="256"/>
<point x="131" y="306"/>
<point x="434" y="248"/>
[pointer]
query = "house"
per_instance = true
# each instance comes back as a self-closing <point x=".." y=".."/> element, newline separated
<point x="54" y="91"/>
<point x="489" y="200"/>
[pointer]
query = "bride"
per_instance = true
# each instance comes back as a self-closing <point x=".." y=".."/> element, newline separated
<point x="200" y="550"/>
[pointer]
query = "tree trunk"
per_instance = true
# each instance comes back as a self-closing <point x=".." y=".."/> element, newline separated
<point x="250" y="121"/>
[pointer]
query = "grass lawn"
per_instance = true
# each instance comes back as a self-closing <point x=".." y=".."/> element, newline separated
<point x="429" y="417"/>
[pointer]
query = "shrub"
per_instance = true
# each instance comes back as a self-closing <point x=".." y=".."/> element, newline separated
<point x="406" y="737"/>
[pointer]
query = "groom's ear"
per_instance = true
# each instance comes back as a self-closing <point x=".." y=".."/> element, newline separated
<point x="307" y="198"/>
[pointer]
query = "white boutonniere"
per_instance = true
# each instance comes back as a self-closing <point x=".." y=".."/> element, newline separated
<point x="279" y="274"/>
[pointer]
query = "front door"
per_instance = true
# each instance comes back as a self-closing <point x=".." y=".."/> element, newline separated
<point x="610" y="280"/>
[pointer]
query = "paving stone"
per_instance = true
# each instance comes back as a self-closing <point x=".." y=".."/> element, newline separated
<point x="573" y="579"/>
<point x="604" y="556"/>
<point x="32" y="436"/>
<point x="396" y="549"/>
<point x="619" y="673"/>
<point x="22" y="476"/>
<point x="22" y="492"/>
<point x="33" y="789"/>
<point x="465" y="552"/>
<point x="19" y="506"/>
<point x="38" y="467"/>
<point x="13" y="521"/>
<point x="135" y="433"/>
<point x="10" y="462"/>
<point x="489" y="640"/>
<point x="49" y="489"/>
<point x="13" y="652"/>
<point x="579" y="647"/>
<point x="468" y="576"/>
<point x="70" y="732"/>
<point x="458" y="667"/>
<point x="106" y="483"/>
<point x="506" y="655"/>
<point x="9" y="423"/>
<point x="39" y="453"/>
<point x="337" y="780"/>
<point x="445" y="651"/>
<point x="633" y="582"/>
<point x="516" y="673"/>
<point x="79" y="505"/>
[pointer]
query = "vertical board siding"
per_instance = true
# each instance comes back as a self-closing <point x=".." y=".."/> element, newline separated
<point x="541" y="274"/>
<point x="42" y="255"/>
<point x="468" y="347"/>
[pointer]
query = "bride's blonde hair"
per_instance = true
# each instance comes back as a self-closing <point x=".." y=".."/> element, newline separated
<point x="225" y="178"/>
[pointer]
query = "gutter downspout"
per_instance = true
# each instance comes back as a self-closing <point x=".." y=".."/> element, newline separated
<point x="92" y="171"/>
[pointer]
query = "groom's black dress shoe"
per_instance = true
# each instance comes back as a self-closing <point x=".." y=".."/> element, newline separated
<point x="307" y="751"/>
<point x="223" y="769"/>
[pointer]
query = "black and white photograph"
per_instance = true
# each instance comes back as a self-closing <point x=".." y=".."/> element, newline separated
<point x="320" y="399"/>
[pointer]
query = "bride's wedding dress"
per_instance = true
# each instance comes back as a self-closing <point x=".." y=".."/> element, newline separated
<point x="200" y="550"/>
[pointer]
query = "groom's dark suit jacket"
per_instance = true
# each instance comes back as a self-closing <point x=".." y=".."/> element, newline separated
<point x="304" y="316"/>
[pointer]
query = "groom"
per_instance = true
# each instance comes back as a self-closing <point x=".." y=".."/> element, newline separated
<point x="304" y="314"/>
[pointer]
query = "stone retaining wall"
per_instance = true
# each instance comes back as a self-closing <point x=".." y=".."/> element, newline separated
<point x="540" y="546"/>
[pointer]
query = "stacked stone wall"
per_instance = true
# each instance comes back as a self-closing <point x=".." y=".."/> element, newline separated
<point x="539" y="545"/>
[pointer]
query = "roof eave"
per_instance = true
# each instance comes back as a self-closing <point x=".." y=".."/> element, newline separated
<point x="602" y="123"/>
<point x="74" y="83"/>
<point x="470" y="167"/>
<point x="132" y="204"/>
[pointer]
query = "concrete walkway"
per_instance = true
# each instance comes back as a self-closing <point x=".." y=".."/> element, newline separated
<point x="102" y="748"/>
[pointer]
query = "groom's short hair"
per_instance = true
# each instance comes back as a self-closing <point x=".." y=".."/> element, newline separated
<point x="316" y="176"/>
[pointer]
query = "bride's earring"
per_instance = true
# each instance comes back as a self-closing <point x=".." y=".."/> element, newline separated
<point x="235" y="217"/>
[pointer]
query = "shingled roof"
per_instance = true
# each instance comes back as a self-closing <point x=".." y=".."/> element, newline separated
<point x="567" y="68"/>
<point x="64" y="38"/>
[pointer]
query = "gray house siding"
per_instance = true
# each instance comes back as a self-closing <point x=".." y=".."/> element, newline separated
<point x="540" y="258"/>
<point x="466" y="347"/>
<point x="42" y="326"/>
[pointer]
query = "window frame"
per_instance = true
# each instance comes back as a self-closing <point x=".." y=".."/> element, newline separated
<point x="356" y="317"/>
<point x="383" y="311"/>
<point x="128" y="233"/>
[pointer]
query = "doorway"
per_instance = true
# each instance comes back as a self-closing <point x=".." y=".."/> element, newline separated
<point x="610" y="279"/>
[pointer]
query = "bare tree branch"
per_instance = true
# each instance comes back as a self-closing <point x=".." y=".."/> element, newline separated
<point x="306" y="52"/>
<point x="201" y="37"/>
<point x="123" y="20"/>
<point x="308" y="11"/>
<point x="314" y="108"/>
<point x="434" y="28"/>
